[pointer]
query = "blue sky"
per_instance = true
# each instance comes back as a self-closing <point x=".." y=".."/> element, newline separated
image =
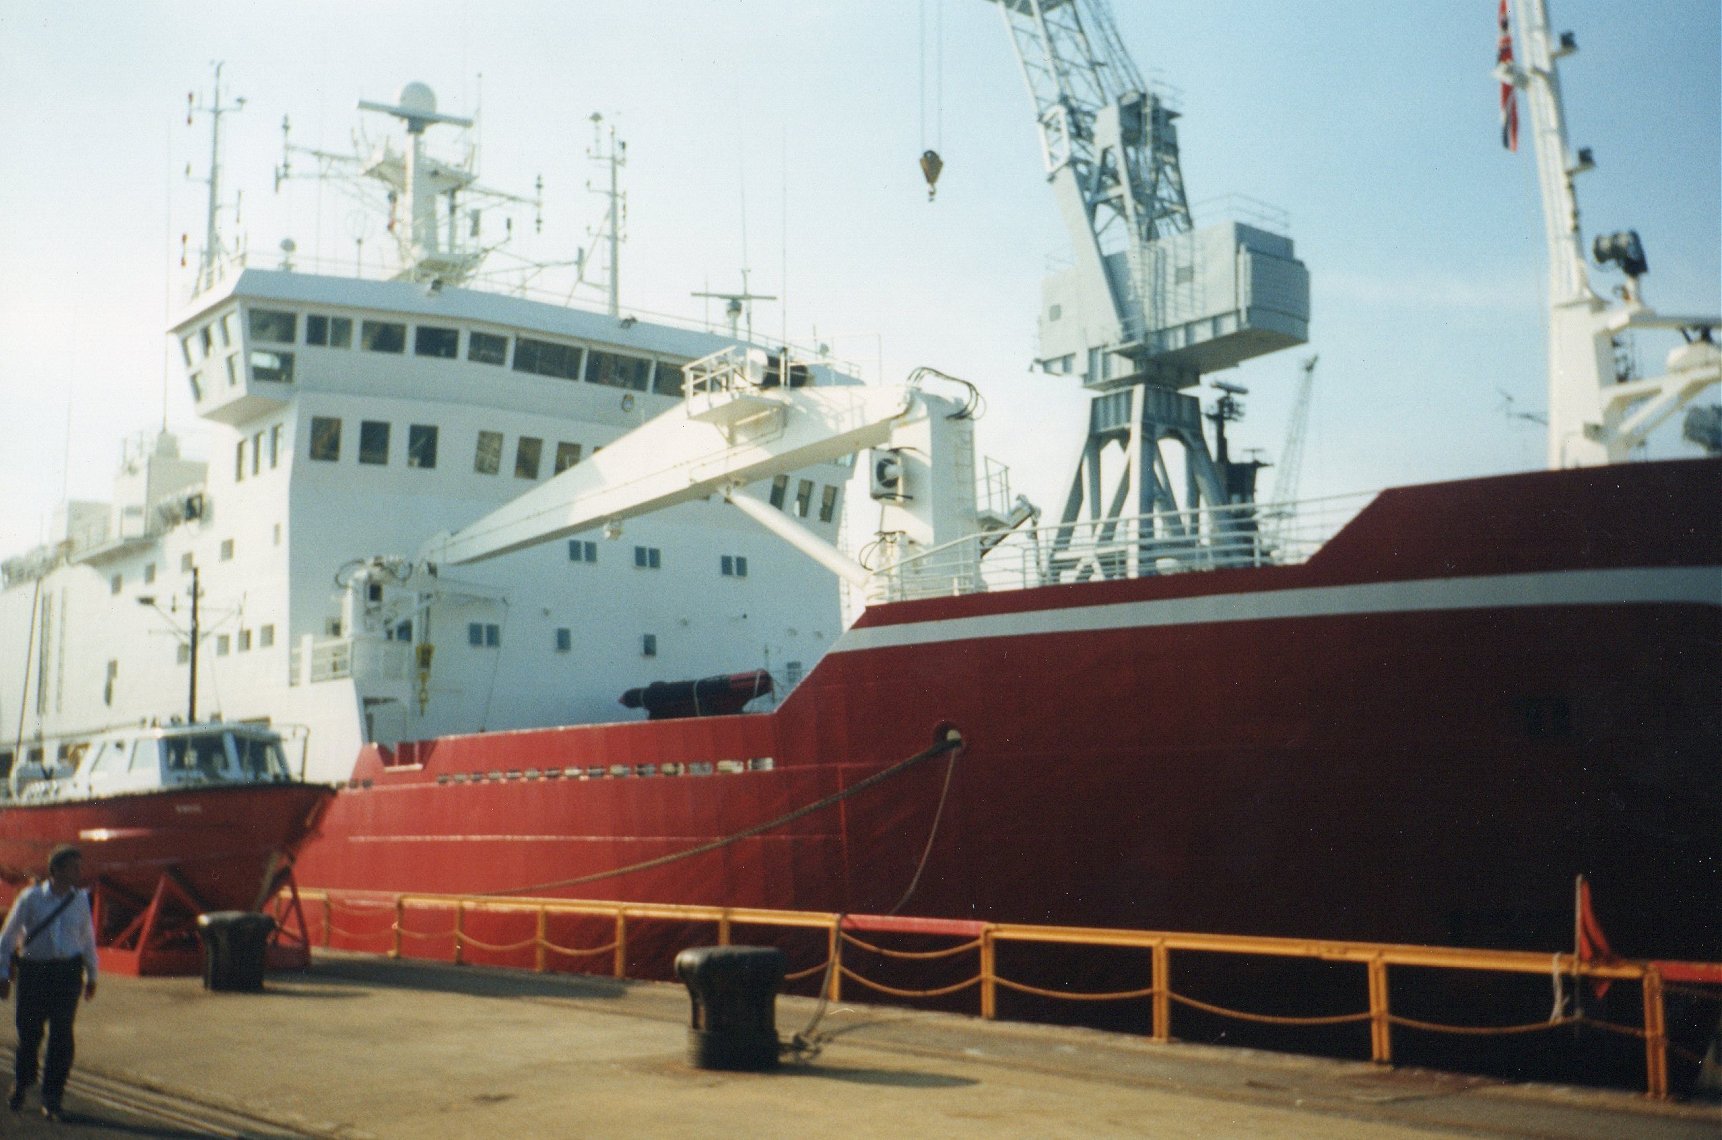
<point x="1371" y="124"/>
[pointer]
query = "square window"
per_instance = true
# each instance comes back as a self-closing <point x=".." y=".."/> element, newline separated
<point x="487" y="460"/>
<point x="244" y="641"/>
<point x="269" y="326"/>
<point x="564" y="640"/>
<point x="567" y="455"/>
<point x="149" y="573"/>
<point x="421" y="445"/>
<point x="828" y="504"/>
<point x="382" y="336"/>
<point x="649" y="645"/>
<point x="265" y="636"/>
<point x="582" y="550"/>
<point x="185" y="561"/>
<point x="183" y="654"/>
<point x="492" y="636"/>
<point x="667" y="380"/>
<point x="331" y="332"/>
<point x="373" y="442"/>
<point x="803" y="497"/>
<point x="227" y="550"/>
<point x="223" y="645"/>
<point x="273" y="367"/>
<point x="647" y="557"/>
<point x="526" y="456"/>
<point x="116" y="584"/>
<point x="429" y="340"/>
<point x="325" y="438"/>
<point x="779" y="490"/>
<point x="487" y="348"/>
<point x="475" y="633"/>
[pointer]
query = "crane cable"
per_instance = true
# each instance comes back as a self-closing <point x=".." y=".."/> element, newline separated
<point x="931" y="163"/>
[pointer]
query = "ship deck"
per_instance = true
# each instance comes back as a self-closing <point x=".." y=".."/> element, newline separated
<point x="360" y="1046"/>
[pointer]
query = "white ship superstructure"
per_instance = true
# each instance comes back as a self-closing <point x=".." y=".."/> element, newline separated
<point x="348" y="417"/>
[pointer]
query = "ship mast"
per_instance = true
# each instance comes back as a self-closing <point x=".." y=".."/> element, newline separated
<point x="1596" y="415"/>
<point x="213" y="251"/>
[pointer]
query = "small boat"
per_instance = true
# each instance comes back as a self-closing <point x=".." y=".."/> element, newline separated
<point x="174" y="821"/>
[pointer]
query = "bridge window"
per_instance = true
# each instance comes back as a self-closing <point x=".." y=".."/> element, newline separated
<point x="268" y="326"/>
<point x="567" y="455"/>
<point x="828" y="504"/>
<point x="779" y="489"/>
<point x="429" y="340"/>
<point x="383" y="336"/>
<point x="803" y="497"/>
<point x="488" y="458"/>
<point x="373" y="442"/>
<point x="582" y="550"/>
<point x="326" y="438"/>
<point x="616" y="371"/>
<point x="421" y="445"/>
<point x="647" y="557"/>
<point x="330" y="332"/>
<point x="271" y="367"/>
<point x="547" y="359"/>
<point x="487" y="348"/>
<point x="526" y="455"/>
<point x="668" y="379"/>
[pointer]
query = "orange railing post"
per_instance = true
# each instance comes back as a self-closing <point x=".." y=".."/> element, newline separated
<point x="1380" y="1028"/>
<point x="1160" y="978"/>
<point x="989" y="983"/>
<point x="459" y="930"/>
<point x="836" y="970"/>
<point x="400" y="924"/>
<point x="541" y="954"/>
<point x="1655" y="1036"/>
<point x="621" y="942"/>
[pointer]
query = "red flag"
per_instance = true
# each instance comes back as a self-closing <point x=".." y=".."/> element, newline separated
<point x="1591" y="943"/>
<point x="1509" y="97"/>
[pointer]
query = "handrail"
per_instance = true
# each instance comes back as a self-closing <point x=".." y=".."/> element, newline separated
<point x="985" y="937"/>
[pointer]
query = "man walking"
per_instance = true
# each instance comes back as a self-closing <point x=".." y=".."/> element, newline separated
<point x="54" y="939"/>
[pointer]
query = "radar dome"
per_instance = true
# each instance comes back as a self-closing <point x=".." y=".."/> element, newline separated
<point x="417" y="99"/>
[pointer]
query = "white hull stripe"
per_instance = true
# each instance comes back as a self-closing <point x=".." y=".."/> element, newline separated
<point x="1683" y="585"/>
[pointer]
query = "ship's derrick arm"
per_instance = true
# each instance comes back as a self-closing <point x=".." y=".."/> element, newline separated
<point x="737" y="427"/>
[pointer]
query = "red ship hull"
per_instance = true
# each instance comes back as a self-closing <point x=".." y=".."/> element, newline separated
<point x="1473" y="693"/>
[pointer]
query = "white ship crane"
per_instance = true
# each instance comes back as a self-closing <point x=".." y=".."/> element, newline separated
<point x="1151" y="304"/>
<point x="1596" y="416"/>
<point x="746" y="419"/>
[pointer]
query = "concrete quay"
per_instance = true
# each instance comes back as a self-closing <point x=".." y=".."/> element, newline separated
<point x="361" y="1047"/>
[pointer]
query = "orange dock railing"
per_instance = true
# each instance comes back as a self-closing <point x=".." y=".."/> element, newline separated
<point x="395" y="924"/>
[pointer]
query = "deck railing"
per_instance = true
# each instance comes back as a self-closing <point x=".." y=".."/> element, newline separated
<point x="399" y="937"/>
<point x="1165" y="542"/>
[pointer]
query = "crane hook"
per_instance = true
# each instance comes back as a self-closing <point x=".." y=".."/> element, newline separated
<point x="931" y="164"/>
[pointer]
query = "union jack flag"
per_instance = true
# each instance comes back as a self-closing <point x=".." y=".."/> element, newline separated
<point x="1509" y="97"/>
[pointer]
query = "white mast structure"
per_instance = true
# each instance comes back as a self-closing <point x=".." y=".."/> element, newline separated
<point x="209" y="259"/>
<point x="1596" y="416"/>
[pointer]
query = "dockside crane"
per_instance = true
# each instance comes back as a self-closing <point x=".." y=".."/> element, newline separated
<point x="1151" y="303"/>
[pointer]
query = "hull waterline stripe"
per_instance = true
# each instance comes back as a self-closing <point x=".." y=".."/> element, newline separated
<point x="1684" y="585"/>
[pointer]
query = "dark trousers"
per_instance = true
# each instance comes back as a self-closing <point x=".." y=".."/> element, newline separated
<point x="47" y="995"/>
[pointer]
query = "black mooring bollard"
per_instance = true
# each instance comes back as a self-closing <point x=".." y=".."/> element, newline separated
<point x="734" y="993"/>
<point x="235" y="944"/>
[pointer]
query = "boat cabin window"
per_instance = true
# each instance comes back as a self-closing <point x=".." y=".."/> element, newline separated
<point x="112" y="757"/>
<point x="274" y="367"/>
<point x="616" y="371"/>
<point x="330" y="332"/>
<point x="428" y="340"/>
<point x="487" y="348"/>
<point x="273" y="326"/>
<point x="546" y="358"/>
<point x="668" y="379"/>
<point x="202" y="757"/>
<point x="383" y="336"/>
<point x="260" y="759"/>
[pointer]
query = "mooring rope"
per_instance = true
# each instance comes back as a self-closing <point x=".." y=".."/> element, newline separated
<point x="949" y="744"/>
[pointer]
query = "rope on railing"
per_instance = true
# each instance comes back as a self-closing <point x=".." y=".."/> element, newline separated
<point x="1073" y="995"/>
<point x="884" y="989"/>
<point x="576" y="952"/>
<point x="1269" y="1018"/>
<point x="923" y="955"/>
